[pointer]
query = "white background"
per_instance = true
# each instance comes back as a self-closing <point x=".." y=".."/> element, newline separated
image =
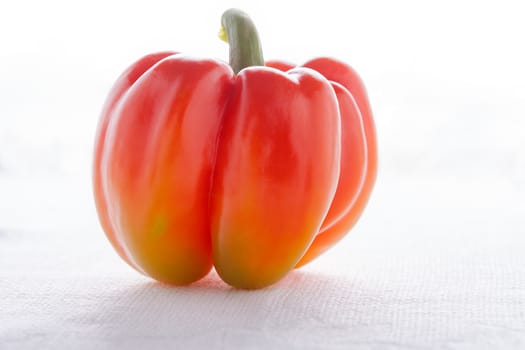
<point x="437" y="259"/>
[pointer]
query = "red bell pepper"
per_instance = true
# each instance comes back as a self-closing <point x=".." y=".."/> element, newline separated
<point x="251" y="169"/>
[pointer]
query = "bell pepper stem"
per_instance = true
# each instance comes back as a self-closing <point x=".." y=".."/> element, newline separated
<point x="238" y="30"/>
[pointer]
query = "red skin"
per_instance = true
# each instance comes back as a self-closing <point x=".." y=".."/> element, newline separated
<point x="196" y="167"/>
<point x="352" y="194"/>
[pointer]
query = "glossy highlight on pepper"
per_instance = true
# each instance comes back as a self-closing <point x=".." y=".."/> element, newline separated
<point x="251" y="168"/>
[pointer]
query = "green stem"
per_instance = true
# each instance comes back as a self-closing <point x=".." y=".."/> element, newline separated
<point x="239" y="32"/>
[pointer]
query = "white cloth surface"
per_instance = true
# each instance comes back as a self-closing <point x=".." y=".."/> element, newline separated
<point x="434" y="264"/>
